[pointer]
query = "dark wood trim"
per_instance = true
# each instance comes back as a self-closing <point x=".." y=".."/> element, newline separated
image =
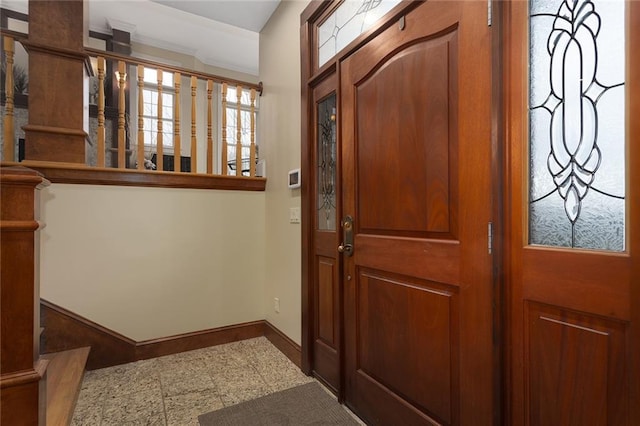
<point x="22" y="371"/>
<point x="307" y="199"/>
<point x="79" y="174"/>
<point x="100" y="36"/>
<point x="281" y="341"/>
<point x="17" y="36"/>
<point x="78" y="55"/>
<point x="18" y="378"/>
<point x="65" y="330"/>
<point x="633" y="182"/>
<point x="497" y="177"/>
<point x="199" y="339"/>
<point x="5" y="14"/>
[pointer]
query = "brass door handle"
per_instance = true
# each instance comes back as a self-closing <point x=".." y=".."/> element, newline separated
<point x="347" y="246"/>
<point x="346" y="249"/>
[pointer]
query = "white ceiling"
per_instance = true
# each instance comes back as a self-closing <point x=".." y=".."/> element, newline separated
<point x="222" y="33"/>
<point x="248" y="14"/>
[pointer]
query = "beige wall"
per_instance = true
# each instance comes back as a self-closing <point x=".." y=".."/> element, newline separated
<point x="280" y="145"/>
<point x="152" y="262"/>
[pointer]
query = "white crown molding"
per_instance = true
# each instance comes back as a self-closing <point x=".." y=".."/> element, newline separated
<point x="116" y="24"/>
<point x="229" y="66"/>
<point x="163" y="44"/>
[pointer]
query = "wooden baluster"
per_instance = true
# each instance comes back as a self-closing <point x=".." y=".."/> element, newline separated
<point x="9" y="137"/>
<point x="122" y="79"/>
<point x="210" y="152"/>
<point x="194" y="143"/>
<point x="224" y="165"/>
<point x="238" y="131"/>
<point x="252" y="155"/>
<point x="100" y="157"/>
<point x="177" y="146"/>
<point x="140" y="119"/>
<point x="159" y="137"/>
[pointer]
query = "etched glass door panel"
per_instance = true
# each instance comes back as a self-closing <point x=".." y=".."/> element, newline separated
<point x="348" y="21"/>
<point x="326" y="163"/>
<point x="577" y="124"/>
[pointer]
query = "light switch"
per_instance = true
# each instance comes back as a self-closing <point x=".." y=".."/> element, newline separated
<point x="294" y="215"/>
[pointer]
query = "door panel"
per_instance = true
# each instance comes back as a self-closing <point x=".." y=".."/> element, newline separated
<point x="390" y="306"/>
<point x="576" y="367"/>
<point x="327" y="296"/>
<point x="419" y="159"/>
<point x="416" y="178"/>
<point x="326" y="262"/>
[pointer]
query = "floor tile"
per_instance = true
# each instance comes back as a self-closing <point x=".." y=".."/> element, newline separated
<point x="180" y="381"/>
<point x="145" y="407"/>
<point x="183" y="410"/>
<point x="174" y="390"/>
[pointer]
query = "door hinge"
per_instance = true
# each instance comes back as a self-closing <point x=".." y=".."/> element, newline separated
<point x="489" y="11"/>
<point x="490" y="237"/>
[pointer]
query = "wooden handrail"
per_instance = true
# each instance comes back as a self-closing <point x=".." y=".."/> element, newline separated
<point x="24" y="38"/>
<point x="173" y="69"/>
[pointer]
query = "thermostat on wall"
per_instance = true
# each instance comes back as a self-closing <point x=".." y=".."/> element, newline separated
<point x="294" y="178"/>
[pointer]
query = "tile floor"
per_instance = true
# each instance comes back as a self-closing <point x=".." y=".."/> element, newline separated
<point x="176" y="389"/>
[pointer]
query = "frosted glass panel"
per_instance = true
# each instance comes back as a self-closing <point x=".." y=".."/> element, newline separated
<point x="577" y="128"/>
<point x="326" y="162"/>
<point x="348" y="21"/>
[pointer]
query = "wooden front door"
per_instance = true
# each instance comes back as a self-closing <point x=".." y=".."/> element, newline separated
<point x="416" y="179"/>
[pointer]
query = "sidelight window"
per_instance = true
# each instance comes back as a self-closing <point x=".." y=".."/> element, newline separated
<point x="577" y="124"/>
<point x="326" y="160"/>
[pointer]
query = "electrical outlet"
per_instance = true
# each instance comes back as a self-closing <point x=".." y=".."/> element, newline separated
<point x="276" y="305"/>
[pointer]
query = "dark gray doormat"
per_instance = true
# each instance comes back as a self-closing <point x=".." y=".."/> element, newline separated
<point x="307" y="404"/>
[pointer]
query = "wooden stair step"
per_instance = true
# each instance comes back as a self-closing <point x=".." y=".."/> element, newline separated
<point x="64" y="380"/>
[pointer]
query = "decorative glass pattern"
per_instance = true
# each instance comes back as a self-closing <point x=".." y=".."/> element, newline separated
<point x="326" y="160"/>
<point x="348" y="21"/>
<point x="577" y="128"/>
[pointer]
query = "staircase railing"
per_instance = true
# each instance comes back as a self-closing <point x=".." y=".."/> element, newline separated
<point x="178" y="121"/>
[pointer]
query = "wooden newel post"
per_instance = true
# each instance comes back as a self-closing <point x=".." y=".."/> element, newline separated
<point x="58" y="67"/>
<point x="22" y="372"/>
